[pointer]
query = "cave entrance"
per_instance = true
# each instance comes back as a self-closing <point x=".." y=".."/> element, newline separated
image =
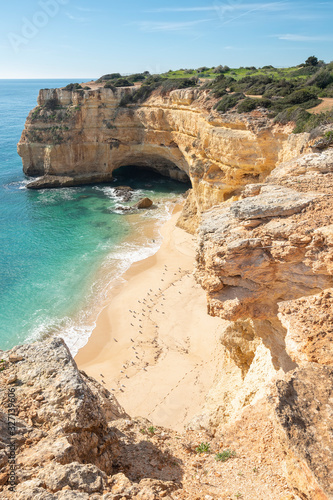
<point x="165" y="180"/>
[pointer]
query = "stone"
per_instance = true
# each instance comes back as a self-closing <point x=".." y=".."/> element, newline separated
<point x="85" y="478"/>
<point x="124" y="192"/>
<point x="309" y="325"/>
<point x="303" y="414"/>
<point x="14" y="358"/>
<point x="144" y="203"/>
<point x="56" y="181"/>
<point x="273" y="201"/>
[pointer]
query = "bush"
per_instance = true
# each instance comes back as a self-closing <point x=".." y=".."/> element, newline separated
<point x="225" y="455"/>
<point x="229" y="101"/>
<point x="52" y="104"/>
<point x="202" y="69"/>
<point x="322" y="79"/>
<point x="73" y="86"/>
<point x="280" y="88"/>
<point x="109" y="85"/>
<point x="122" y="82"/>
<point x="138" y="77"/>
<point x="292" y="114"/>
<point x="219" y="85"/>
<point x="299" y="96"/>
<point x="111" y="76"/>
<point x="165" y="85"/>
<point x="311" y="61"/>
<point x="313" y="121"/>
<point x="203" y="448"/>
<point x="247" y="105"/>
<point x="177" y="83"/>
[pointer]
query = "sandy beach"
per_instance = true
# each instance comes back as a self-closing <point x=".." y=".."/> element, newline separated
<point x="154" y="346"/>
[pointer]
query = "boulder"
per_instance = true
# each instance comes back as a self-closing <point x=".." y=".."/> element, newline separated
<point x="144" y="203"/>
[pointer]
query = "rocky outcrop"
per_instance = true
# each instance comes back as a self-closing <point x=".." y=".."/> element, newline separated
<point x="70" y="439"/>
<point x="266" y="264"/>
<point x="83" y="136"/>
<point x="303" y="414"/>
<point x="62" y="441"/>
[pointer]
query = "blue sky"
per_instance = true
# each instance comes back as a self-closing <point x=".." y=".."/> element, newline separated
<point x="84" y="39"/>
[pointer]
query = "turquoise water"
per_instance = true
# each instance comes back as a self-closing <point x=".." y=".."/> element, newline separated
<point x="62" y="249"/>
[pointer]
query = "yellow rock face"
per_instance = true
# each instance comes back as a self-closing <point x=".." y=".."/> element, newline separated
<point x="93" y="132"/>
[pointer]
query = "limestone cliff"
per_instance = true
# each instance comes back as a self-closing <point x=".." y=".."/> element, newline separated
<point x="266" y="264"/>
<point x="75" y="137"/>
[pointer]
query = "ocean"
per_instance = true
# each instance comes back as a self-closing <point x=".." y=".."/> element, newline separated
<point x="62" y="250"/>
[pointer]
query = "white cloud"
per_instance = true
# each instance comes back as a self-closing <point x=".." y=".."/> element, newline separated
<point x="86" y="9"/>
<point x="76" y="18"/>
<point x="291" y="37"/>
<point x="151" y="26"/>
<point x="219" y="6"/>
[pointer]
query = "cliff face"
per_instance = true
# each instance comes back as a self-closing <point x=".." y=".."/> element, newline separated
<point x="266" y="264"/>
<point x="83" y="136"/>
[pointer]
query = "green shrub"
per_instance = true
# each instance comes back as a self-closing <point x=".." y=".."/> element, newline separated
<point x="292" y="114"/>
<point x="165" y="85"/>
<point x="122" y="82"/>
<point x="313" y="121"/>
<point x="219" y="85"/>
<point x="111" y="76"/>
<point x="224" y="455"/>
<point x="109" y="85"/>
<point x="322" y="79"/>
<point x="311" y="61"/>
<point x="138" y="77"/>
<point x="247" y="105"/>
<point x="279" y="88"/>
<point x="229" y="101"/>
<point x="73" y="86"/>
<point x="299" y="96"/>
<point x="203" y="448"/>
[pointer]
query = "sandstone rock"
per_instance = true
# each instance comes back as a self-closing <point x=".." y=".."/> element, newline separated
<point x="62" y="415"/>
<point x="309" y="324"/>
<point x="57" y="181"/>
<point x="304" y="418"/>
<point x="124" y="192"/>
<point x="85" y="478"/>
<point x="144" y="203"/>
<point x="247" y="271"/>
<point x="273" y="201"/>
<point x="14" y="358"/>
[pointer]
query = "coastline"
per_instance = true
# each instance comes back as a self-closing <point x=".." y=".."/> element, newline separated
<point x="147" y="347"/>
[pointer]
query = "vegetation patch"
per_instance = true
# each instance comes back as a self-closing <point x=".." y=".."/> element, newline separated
<point x="229" y="101"/>
<point x="203" y="448"/>
<point x="225" y="455"/>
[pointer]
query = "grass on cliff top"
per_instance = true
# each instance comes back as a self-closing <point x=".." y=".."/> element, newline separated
<point x="286" y="92"/>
